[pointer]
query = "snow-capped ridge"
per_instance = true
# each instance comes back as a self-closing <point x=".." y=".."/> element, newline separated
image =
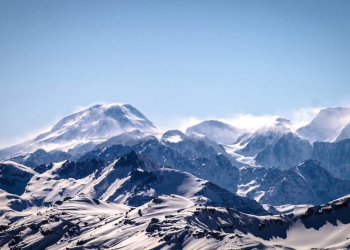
<point x="217" y="131"/>
<point x="344" y="133"/>
<point x="95" y="124"/>
<point x="261" y="138"/>
<point x="326" y="125"/>
<point x="127" y="139"/>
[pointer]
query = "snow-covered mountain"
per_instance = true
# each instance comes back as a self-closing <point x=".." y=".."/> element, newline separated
<point x="261" y="138"/>
<point x="120" y="182"/>
<point x="95" y="124"/>
<point x="127" y="139"/>
<point x="286" y="152"/>
<point x="344" y="133"/>
<point x="173" y="222"/>
<point x="213" y="167"/>
<point x="216" y="131"/>
<point x="266" y="185"/>
<point x="327" y="125"/>
<point x="40" y="157"/>
<point x="195" y="145"/>
<point x="132" y="179"/>
<point x="14" y="177"/>
<point x="307" y="183"/>
<point x="335" y="157"/>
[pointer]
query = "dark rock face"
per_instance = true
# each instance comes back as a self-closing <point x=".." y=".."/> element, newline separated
<point x="81" y="169"/>
<point x="14" y="178"/>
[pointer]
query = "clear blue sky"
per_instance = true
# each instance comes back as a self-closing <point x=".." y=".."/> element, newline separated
<point x="170" y="58"/>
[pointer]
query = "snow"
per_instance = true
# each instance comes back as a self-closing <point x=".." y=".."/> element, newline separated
<point x="327" y="125"/>
<point x="174" y="139"/>
<point x="216" y="131"/>
<point x="244" y="189"/>
<point x="95" y="124"/>
<point x="133" y="202"/>
<point x="167" y="221"/>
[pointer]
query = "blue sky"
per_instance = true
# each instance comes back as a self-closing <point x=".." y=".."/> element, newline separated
<point x="170" y="59"/>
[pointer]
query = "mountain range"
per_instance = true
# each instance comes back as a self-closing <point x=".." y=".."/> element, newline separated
<point x="111" y="156"/>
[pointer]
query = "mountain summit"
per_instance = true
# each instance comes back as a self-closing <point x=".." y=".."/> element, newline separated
<point x="327" y="125"/>
<point x="95" y="124"/>
<point x="216" y="131"/>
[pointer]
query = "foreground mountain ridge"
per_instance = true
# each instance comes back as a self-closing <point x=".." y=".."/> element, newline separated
<point x="174" y="222"/>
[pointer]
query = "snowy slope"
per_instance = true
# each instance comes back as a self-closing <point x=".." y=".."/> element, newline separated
<point x="216" y="168"/>
<point x="335" y="157"/>
<point x="132" y="179"/>
<point x="286" y="152"/>
<point x="195" y="145"/>
<point x="126" y="139"/>
<point x="174" y="222"/>
<point x="307" y="183"/>
<point x="273" y="185"/>
<point x="326" y="125"/>
<point x="95" y="124"/>
<point x="217" y="131"/>
<point x="40" y="157"/>
<point x="261" y="138"/>
<point x="344" y="133"/>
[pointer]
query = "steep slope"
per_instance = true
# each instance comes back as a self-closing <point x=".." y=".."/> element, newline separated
<point x="40" y="157"/>
<point x="132" y="179"/>
<point x="82" y="148"/>
<point x="174" y="222"/>
<point x="307" y="183"/>
<point x="95" y="124"/>
<point x="213" y="167"/>
<point x="196" y="145"/>
<point x="344" y="134"/>
<point x="335" y="157"/>
<point x="286" y="152"/>
<point x="325" y="126"/>
<point x="126" y="139"/>
<point x="261" y="138"/>
<point x="216" y="131"/>
<point x="14" y="177"/>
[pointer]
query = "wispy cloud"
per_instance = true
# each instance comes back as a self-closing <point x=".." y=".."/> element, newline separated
<point x="248" y="122"/>
<point x="22" y="138"/>
<point x="303" y="116"/>
<point x="179" y="123"/>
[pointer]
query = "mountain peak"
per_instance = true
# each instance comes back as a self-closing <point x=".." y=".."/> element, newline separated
<point x="137" y="161"/>
<point x="94" y="124"/>
<point x="327" y="125"/>
<point x="217" y="131"/>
